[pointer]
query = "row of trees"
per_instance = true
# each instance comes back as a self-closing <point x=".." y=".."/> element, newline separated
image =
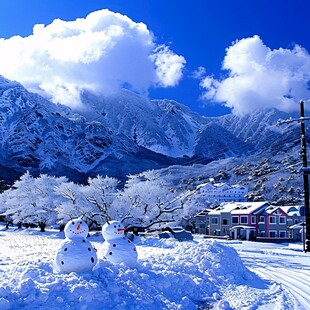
<point x="140" y="203"/>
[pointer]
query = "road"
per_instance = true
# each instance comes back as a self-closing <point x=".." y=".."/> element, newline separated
<point x="286" y="268"/>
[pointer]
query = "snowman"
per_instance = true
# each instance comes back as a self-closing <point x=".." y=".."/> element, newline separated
<point x="75" y="254"/>
<point x="117" y="248"/>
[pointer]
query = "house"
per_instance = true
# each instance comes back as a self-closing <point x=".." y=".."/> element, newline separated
<point x="298" y="231"/>
<point x="202" y="222"/>
<point x="275" y="223"/>
<point x="237" y="220"/>
<point x="223" y="192"/>
<point x="251" y="221"/>
<point x="220" y="220"/>
<point x="245" y="218"/>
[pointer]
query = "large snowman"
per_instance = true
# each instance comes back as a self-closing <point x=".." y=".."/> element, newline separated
<point x="117" y="248"/>
<point x="75" y="254"/>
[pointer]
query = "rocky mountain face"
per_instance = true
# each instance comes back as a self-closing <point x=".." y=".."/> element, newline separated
<point x="260" y="129"/>
<point x="162" y="126"/>
<point x="123" y="134"/>
<point x="42" y="137"/>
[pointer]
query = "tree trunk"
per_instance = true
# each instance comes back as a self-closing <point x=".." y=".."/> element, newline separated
<point x="42" y="227"/>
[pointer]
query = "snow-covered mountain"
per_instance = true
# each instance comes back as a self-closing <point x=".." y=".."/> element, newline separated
<point x="42" y="137"/>
<point x="120" y="134"/>
<point x="260" y="129"/>
<point x="163" y="126"/>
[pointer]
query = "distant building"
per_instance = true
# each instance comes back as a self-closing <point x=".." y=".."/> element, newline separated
<point x="236" y="220"/>
<point x="251" y="221"/>
<point x="223" y="192"/>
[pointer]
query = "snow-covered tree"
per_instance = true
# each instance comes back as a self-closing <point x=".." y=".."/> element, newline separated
<point x="73" y="204"/>
<point x="146" y="204"/>
<point x="32" y="200"/>
<point x="91" y="202"/>
<point x="99" y="195"/>
<point x="3" y="208"/>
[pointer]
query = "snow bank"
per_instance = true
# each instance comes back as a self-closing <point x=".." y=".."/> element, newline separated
<point x="169" y="275"/>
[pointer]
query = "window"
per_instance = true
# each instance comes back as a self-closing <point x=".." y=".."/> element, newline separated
<point x="253" y="219"/>
<point x="214" y="220"/>
<point x="243" y="219"/>
<point x="235" y="220"/>
<point x="262" y="219"/>
<point x="272" y="220"/>
<point x="272" y="234"/>
<point x="225" y="222"/>
<point x="282" y="220"/>
<point x="282" y="234"/>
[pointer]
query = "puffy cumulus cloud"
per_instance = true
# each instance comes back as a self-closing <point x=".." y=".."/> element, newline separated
<point x="169" y="66"/>
<point x="259" y="77"/>
<point x="101" y="52"/>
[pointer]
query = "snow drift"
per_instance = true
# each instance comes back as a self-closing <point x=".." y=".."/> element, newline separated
<point x="169" y="275"/>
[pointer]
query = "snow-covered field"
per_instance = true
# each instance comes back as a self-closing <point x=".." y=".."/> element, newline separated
<point x="201" y="274"/>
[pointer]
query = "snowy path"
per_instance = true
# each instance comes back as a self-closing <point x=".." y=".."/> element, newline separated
<point x="287" y="268"/>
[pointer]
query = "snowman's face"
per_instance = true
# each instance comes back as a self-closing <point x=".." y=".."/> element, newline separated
<point x="113" y="230"/>
<point x="76" y="229"/>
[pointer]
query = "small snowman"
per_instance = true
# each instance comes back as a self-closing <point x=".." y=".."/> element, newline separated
<point x="117" y="248"/>
<point x="75" y="254"/>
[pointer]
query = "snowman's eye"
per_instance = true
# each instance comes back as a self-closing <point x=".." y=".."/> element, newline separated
<point x="119" y="225"/>
<point x="114" y="226"/>
<point x="80" y="222"/>
<point x="72" y="223"/>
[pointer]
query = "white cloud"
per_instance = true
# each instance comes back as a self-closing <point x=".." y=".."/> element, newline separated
<point x="101" y="52"/>
<point x="169" y="66"/>
<point x="259" y="77"/>
<point x="199" y="73"/>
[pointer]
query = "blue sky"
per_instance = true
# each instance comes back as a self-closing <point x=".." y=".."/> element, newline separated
<point x="200" y="31"/>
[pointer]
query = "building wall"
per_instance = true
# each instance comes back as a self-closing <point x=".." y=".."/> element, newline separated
<point x="215" y="225"/>
<point x="201" y="225"/>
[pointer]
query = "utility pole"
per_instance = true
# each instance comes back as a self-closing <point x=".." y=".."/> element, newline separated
<point x="305" y="175"/>
<point x="305" y="170"/>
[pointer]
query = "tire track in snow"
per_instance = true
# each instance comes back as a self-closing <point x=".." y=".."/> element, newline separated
<point x="290" y="271"/>
<point x="292" y="282"/>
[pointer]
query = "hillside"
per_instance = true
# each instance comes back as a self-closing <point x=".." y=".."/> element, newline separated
<point x="127" y="134"/>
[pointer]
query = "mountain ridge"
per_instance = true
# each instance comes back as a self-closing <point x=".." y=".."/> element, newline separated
<point x="119" y="135"/>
